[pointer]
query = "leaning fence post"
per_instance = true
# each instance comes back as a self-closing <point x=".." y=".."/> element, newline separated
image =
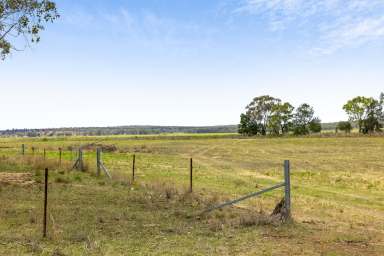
<point x="45" y="203"/>
<point x="133" y="167"/>
<point x="287" y="181"/>
<point x="190" y="175"/>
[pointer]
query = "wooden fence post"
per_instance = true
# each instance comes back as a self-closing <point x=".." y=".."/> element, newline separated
<point x="80" y="160"/>
<point x="45" y="204"/>
<point x="60" y="155"/>
<point x="100" y="164"/>
<point x="98" y="161"/>
<point x="191" y="175"/>
<point x="22" y="149"/>
<point x="287" y="181"/>
<point x="44" y="154"/>
<point x="133" y="167"/>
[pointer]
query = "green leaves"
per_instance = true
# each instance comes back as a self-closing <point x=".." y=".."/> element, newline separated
<point x="5" y="47"/>
<point x="23" y="18"/>
<point x="304" y="121"/>
<point x="260" y="111"/>
<point x="281" y="118"/>
<point x="266" y="114"/>
<point x="344" y="126"/>
<point x="366" y="112"/>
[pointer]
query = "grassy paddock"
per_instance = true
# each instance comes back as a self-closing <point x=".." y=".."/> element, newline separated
<point x="338" y="196"/>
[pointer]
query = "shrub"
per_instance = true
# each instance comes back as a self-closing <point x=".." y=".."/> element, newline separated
<point x="315" y="125"/>
<point x="344" y="126"/>
<point x="62" y="180"/>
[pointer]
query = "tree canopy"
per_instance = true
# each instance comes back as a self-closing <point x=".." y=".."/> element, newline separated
<point x="25" y="19"/>
<point x="304" y="120"/>
<point x="269" y="115"/>
<point x="260" y="111"/>
<point x="344" y="126"/>
<point x="366" y="112"/>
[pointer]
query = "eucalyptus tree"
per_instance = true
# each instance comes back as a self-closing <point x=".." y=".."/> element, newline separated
<point x="266" y="114"/>
<point x="247" y="126"/>
<point x="280" y="121"/>
<point x="23" y="20"/>
<point x="366" y="112"/>
<point x="356" y="109"/>
<point x="260" y="111"/>
<point x="305" y="121"/>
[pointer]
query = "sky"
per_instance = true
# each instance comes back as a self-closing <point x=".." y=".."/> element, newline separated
<point x="192" y="62"/>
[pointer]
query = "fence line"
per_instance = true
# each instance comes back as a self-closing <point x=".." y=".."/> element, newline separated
<point x="79" y="165"/>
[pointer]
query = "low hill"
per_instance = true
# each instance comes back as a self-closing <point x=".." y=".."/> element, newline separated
<point x="118" y="130"/>
<point x="129" y="130"/>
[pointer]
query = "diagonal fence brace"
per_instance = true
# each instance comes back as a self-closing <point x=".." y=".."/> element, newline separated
<point x="79" y="161"/>
<point x="100" y="164"/>
<point x="244" y="198"/>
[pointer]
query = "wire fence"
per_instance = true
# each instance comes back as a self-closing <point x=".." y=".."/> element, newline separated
<point x="80" y="160"/>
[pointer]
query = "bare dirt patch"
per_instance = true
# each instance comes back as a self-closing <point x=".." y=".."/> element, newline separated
<point x="21" y="179"/>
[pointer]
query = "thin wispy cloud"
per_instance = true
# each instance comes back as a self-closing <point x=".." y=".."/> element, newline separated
<point x="145" y="27"/>
<point x="333" y="24"/>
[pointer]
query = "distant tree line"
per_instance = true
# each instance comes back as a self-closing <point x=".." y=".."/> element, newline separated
<point x="117" y="130"/>
<point x="269" y="115"/>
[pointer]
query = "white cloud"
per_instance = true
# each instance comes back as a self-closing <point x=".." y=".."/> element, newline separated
<point x="353" y="33"/>
<point x="335" y="24"/>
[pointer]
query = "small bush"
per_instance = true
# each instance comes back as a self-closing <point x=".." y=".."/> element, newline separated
<point x="77" y="178"/>
<point x="344" y="126"/>
<point x="62" y="180"/>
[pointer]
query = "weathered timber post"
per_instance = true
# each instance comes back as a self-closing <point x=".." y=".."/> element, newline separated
<point x="44" y="154"/>
<point x="287" y="181"/>
<point x="98" y="161"/>
<point x="133" y="167"/>
<point x="80" y="160"/>
<point x="22" y="149"/>
<point x="45" y="204"/>
<point x="100" y="164"/>
<point x="60" y="155"/>
<point x="191" y="175"/>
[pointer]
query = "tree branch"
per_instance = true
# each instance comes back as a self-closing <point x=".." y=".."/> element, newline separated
<point x="8" y="31"/>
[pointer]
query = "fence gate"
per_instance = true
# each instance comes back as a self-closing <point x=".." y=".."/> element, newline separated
<point x="287" y="193"/>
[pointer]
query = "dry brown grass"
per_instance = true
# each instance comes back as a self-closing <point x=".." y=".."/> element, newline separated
<point x="337" y="187"/>
<point x="37" y="162"/>
<point x="21" y="179"/>
<point x="228" y="217"/>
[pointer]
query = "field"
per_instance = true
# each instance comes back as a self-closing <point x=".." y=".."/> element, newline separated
<point x="337" y="196"/>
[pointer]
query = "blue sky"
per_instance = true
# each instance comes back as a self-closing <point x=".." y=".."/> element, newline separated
<point x="192" y="62"/>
